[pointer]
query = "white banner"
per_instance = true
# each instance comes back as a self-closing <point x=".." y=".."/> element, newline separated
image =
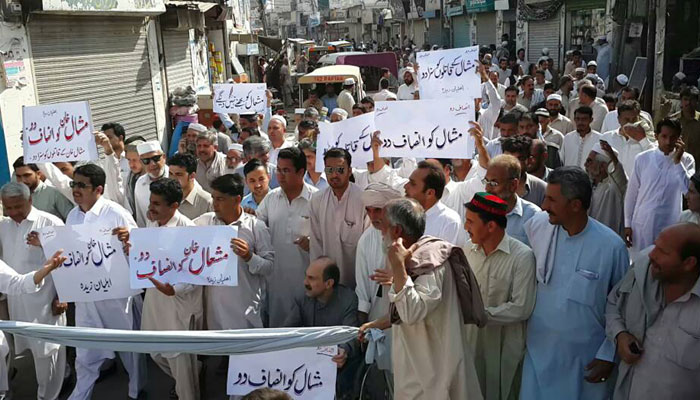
<point x="353" y="134"/>
<point x="96" y="268"/>
<point x="305" y="373"/>
<point x="449" y="73"/>
<point x="240" y="98"/>
<point x="200" y="255"/>
<point x="426" y="128"/>
<point x="58" y="132"/>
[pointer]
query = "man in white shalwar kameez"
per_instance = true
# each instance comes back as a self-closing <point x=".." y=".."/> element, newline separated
<point x="577" y="144"/>
<point x="15" y="284"/>
<point x="426" y="186"/>
<point x="176" y="307"/>
<point x="241" y="306"/>
<point x="632" y="135"/>
<point x="88" y="183"/>
<point x="286" y="211"/>
<point x="656" y="187"/>
<point x="38" y="306"/>
<point x="338" y="216"/>
<point x="505" y="270"/>
<point x="430" y="353"/>
<point x="153" y="160"/>
<point x="609" y="187"/>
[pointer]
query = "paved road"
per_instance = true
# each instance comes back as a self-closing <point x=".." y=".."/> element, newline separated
<point x="114" y="387"/>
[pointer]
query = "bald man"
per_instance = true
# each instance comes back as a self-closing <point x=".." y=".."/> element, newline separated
<point x="652" y="314"/>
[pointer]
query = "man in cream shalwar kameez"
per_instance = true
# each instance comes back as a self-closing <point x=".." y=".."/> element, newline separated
<point x="49" y="358"/>
<point x="506" y="279"/>
<point x="609" y="187"/>
<point x="430" y="353"/>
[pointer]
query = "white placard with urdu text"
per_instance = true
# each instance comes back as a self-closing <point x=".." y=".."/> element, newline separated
<point x="58" y="132"/>
<point x="426" y="128"/>
<point x="449" y="73"/>
<point x="352" y="134"/>
<point x="306" y="373"/>
<point x="200" y="255"/>
<point x="96" y="268"/>
<point x="240" y="98"/>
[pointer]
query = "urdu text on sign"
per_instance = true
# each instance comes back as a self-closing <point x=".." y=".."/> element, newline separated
<point x="449" y="73"/>
<point x="352" y="134"/>
<point x="58" y="132"/>
<point x="240" y="98"/>
<point x="200" y="255"/>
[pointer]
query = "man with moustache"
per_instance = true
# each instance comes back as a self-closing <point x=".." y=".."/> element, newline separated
<point x="652" y="317"/>
<point x="578" y="260"/>
<point x="153" y="159"/>
<point x="195" y="200"/>
<point x="211" y="163"/>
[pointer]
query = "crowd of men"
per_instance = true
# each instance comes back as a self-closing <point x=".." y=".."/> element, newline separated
<point x="561" y="261"/>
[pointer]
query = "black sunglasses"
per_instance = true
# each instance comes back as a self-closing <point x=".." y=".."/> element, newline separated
<point x="148" y="160"/>
<point x="79" y="185"/>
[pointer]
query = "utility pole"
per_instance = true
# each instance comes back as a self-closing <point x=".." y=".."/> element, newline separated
<point x="651" y="56"/>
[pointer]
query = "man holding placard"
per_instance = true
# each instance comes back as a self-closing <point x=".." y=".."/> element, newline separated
<point x="88" y="186"/>
<point x="241" y="306"/>
<point x="169" y="307"/>
<point x="42" y="305"/>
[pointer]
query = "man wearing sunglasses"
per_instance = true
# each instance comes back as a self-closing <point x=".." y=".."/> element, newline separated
<point x="531" y="188"/>
<point x="338" y="216"/>
<point x="153" y="160"/>
<point x="93" y="208"/>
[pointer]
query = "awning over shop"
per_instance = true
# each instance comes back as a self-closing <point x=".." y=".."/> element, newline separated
<point x="273" y="43"/>
<point x="115" y="7"/>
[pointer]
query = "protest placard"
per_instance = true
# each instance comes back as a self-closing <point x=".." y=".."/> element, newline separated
<point x="200" y="255"/>
<point x="96" y="268"/>
<point x="353" y="134"/>
<point x="449" y="73"/>
<point x="240" y="98"/>
<point x="306" y="373"/>
<point x="58" y="132"/>
<point x="426" y="128"/>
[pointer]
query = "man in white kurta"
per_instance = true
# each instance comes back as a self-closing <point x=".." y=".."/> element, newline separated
<point x="154" y="162"/>
<point x="286" y="211"/>
<point x="577" y="144"/>
<point x="15" y="284"/>
<point x="609" y="187"/>
<point x="440" y="221"/>
<point x="430" y="353"/>
<point x="505" y="270"/>
<point x="629" y="140"/>
<point x="49" y="358"/>
<point x="241" y="306"/>
<point x="122" y="313"/>
<point x="177" y="307"/>
<point x="338" y="216"/>
<point x="656" y="187"/>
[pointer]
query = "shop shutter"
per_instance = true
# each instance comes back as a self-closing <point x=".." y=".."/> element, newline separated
<point x="461" y="35"/>
<point x="543" y="34"/>
<point x="103" y="60"/>
<point x="486" y="29"/>
<point x="178" y="60"/>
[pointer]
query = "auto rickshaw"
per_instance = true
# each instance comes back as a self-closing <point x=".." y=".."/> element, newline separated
<point x="336" y="75"/>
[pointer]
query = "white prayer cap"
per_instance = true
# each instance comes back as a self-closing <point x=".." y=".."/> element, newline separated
<point x="390" y="96"/>
<point x="599" y="150"/>
<point x="236" y="146"/>
<point x="148" y="147"/>
<point x="622" y="79"/>
<point x="199" y="128"/>
<point x="554" y="96"/>
<point x="349" y="82"/>
<point x="545" y="51"/>
<point x="593" y="63"/>
<point x="299" y="111"/>
<point x="340" y="112"/>
<point x="579" y="69"/>
<point x="279" y="119"/>
<point x="377" y="194"/>
<point x="592" y="77"/>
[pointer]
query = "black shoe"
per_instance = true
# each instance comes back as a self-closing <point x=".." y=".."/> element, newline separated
<point x="173" y="393"/>
<point x="107" y="372"/>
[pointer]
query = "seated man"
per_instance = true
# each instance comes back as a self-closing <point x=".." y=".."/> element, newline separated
<point x="328" y="303"/>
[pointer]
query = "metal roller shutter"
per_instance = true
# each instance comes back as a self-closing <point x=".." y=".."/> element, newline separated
<point x="103" y="60"/>
<point x="178" y="62"/>
<point x="461" y="36"/>
<point x="486" y="29"/>
<point x="543" y="34"/>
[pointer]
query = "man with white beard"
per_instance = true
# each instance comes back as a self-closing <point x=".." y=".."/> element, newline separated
<point x="20" y="249"/>
<point x="153" y="159"/>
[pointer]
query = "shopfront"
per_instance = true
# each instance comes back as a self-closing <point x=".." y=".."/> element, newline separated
<point x="486" y="29"/>
<point x="585" y="22"/>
